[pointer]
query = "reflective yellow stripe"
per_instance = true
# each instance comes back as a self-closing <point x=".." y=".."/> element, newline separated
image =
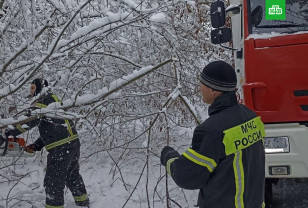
<point x="243" y="136"/>
<point x="263" y="205"/>
<point x="169" y="164"/>
<point x="202" y="160"/>
<point x="61" y="142"/>
<point x="20" y="128"/>
<point x="239" y="179"/>
<point x="81" y="198"/>
<point x="56" y="98"/>
<point x="49" y="206"/>
<point x="40" y="105"/>
<point x="69" y="128"/>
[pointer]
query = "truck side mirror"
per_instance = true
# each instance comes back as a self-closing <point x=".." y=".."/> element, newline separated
<point x="218" y="14"/>
<point x="256" y="16"/>
<point x="221" y="35"/>
<point x="231" y="11"/>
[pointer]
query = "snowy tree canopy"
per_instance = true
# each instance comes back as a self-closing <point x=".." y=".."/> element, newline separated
<point x="127" y="74"/>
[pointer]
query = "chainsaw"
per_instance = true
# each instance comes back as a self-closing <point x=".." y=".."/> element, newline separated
<point x="14" y="147"/>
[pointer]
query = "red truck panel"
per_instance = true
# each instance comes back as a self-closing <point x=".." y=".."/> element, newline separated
<point x="276" y="72"/>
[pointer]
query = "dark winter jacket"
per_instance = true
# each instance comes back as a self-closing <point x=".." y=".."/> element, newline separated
<point x="54" y="132"/>
<point x="226" y="160"/>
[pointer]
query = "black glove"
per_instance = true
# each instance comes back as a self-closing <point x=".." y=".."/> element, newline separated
<point x="7" y="132"/>
<point x="28" y="113"/>
<point x="38" y="144"/>
<point x="2" y="140"/>
<point x="166" y="154"/>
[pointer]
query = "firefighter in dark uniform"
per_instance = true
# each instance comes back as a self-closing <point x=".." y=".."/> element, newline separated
<point x="226" y="160"/>
<point x="60" y="139"/>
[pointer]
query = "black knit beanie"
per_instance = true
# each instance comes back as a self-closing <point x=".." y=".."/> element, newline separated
<point x="219" y="76"/>
<point x="39" y="83"/>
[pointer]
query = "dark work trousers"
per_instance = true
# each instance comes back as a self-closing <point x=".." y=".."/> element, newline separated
<point x="63" y="169"/>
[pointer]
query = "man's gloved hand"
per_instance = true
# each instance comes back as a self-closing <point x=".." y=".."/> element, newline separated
<point x="7" y="132"/>
<point x="28" y="113"/>
<point x="166" y="154"/>
<point x="30" y="148"/>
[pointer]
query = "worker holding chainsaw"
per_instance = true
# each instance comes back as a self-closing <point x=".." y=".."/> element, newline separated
<point x="60" y="139"/>
<point x="226" y="160"/>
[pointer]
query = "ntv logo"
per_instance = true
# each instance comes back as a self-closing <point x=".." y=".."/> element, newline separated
<point x="275" y="9"/>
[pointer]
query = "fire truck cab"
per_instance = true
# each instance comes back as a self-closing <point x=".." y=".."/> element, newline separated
<point x="271" y="61"/>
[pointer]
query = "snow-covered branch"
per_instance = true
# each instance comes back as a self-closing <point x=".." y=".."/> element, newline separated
<point x="113" y="87"/>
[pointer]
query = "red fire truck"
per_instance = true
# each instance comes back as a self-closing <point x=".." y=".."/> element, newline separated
<point x="271" y="60"/>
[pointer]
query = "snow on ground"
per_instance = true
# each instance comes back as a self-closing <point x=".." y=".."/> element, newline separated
<point x="103" y="181"/>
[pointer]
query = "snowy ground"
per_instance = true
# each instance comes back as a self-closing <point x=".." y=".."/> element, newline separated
<point x="103" y="180"/>
<point x="105" y="189"/>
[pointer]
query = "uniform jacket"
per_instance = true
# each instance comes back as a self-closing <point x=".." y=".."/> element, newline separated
<point x="226" y="158"/>
<point x="53" y="132"/>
